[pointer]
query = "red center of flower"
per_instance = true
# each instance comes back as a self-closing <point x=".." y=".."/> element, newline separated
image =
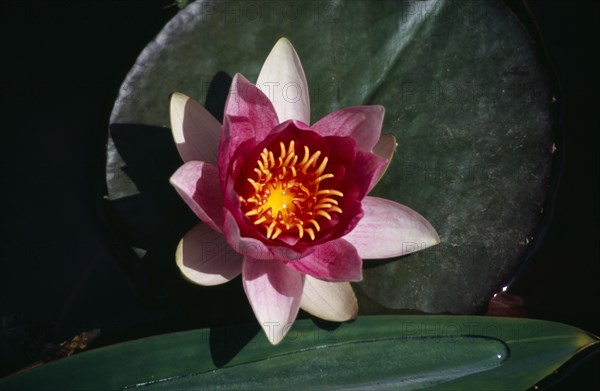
<point x="288" y="193"/>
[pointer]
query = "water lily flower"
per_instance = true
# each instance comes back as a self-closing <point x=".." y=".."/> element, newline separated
<point x="285" y="203"/>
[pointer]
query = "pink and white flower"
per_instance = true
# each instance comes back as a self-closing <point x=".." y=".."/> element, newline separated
<point x="285" y="203"/>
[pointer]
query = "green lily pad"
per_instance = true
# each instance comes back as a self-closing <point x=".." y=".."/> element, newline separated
<point x="382" y="352"/>
<point x="465" y="96"/>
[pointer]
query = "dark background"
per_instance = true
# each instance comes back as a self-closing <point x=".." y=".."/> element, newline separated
<point x="62" y="63"/>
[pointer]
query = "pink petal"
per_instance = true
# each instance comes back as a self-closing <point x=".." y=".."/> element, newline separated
<point x="336" y="260"/>
<point x="250" y="247"/>
<point x="249" y="115"/>
<point x="333" y="301"/>
<point x="195" y="130"/>
<point x="362" y="123"/>
<point x="367" y="169"/>
<point x="274" y="292"/>
<point x="198" y="184"/>
<point x="385" y="147"/>
<point x="282" y="253"/>
<point x="389" y="229"/>
<point x="205" y="258"/>
<point x="282" y="79"/>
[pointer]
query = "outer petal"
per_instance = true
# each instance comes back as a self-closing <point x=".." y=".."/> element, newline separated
<point x="195" y="130"/>
<point x="333" y="301"/>
<point x="274" y="292"/>
<point x="283" y="81"/>
<point x="385" y="147"/>
<point x="205" y="258"/>
<point x="198" y="184"/>
<point x="362" y="123"/>
<point x="389" y="229"/>
<point x="336" y="260"/>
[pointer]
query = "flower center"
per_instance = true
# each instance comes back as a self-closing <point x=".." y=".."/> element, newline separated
<point x="287" y="193"/>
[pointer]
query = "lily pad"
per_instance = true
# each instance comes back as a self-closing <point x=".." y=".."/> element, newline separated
<point x="465" y="95"/>
<point x="382" y="352"/>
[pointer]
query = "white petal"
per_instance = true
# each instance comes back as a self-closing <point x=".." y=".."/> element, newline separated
<point x="333" y="301"/>
<point x="205" y="258"/>
<point x="282" y="79"/>
<point x="195" y="130"/>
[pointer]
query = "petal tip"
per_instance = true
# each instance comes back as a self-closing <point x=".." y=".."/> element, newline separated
<point x="237" y="76"/>
<point x="331" y="301"/>
<point x="393" y="138"/>
<point x="380" y="108"/>
<point x="274" y="338"/>
<point x="433" y="240"/>
<point x="386" y="145"/>
<point x="178" y="97"/>
<point x="173" y="179"/>
<point x="283" y="42"/>
<point x="282" y="78"/>
<point x="434" y="237"/>
<point x="177" y="102"/>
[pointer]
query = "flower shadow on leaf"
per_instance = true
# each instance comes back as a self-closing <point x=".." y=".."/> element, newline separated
<point x="216" y="95"/>
<point x="155" y="218"/>
<point x="226" y="342"/>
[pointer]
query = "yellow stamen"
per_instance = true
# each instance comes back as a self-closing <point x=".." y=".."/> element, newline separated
<point x="278" y="232"/>
<point x="323" y="177"/>
<point x="271" y="159"/>
<point x="261" y="220"/>
<point x="335" y="209"/>
<point x="306" y="155"/>
<point x="300" y="230"/>
<point x="254" y="184"/>
<point x="329" y="200"/>
<point x="324" y="214"/>
<point x="315" y="224"/>
<point x="285" y="197"/>
<point x="270" y="229"/>
<point x="322" y="166"/>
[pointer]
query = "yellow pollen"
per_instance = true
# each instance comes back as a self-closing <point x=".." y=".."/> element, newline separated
<point x="286" y="195"/>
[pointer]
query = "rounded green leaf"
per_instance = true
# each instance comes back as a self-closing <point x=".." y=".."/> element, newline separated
<point x="465" y="97"/>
